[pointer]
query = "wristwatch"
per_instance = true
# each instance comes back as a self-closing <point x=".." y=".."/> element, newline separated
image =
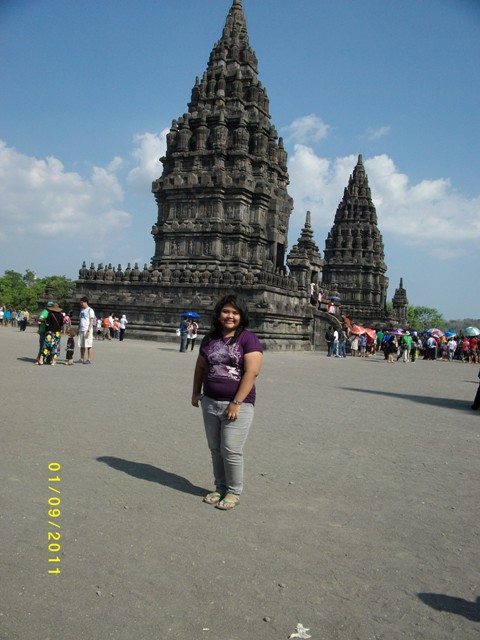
<point x="236" y="402"/>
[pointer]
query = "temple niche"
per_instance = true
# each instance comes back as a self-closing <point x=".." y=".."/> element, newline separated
<point x="223" y="213"/>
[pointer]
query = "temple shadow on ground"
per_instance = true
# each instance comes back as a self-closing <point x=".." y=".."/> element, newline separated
<point x="451" y="604"/>
<point x="446" y="403"/>
<point x="148" y="472"/>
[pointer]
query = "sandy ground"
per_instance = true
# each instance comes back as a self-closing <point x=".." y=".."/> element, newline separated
<point x="360" y="516"/>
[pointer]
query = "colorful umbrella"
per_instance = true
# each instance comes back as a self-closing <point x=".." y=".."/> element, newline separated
<point x="436" y="333"/>
<point x="396" y="332"/>
<point x="450" y="334"/>
<point x="371" y="334"/>
<point x="471" y="332"/>
<point x="357" y="330"/>
<point x="190" y="314"/>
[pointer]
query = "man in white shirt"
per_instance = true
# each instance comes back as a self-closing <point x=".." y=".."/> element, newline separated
<point x="335" y="344"/>
<point x="85" y="330"/>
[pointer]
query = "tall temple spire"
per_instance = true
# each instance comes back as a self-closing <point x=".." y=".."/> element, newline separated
<point x="354" y="254"/>
<point x="222" y="198"/>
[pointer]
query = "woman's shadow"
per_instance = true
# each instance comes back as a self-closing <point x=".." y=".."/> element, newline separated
<point x="153" y="474"/>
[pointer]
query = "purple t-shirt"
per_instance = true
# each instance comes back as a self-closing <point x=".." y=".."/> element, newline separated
<point x="224" y="370"/>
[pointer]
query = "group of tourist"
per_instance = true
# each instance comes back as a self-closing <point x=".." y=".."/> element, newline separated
<point x="52" y="322"/>
<point x="409" y="347"/>
<point x="399" y="345"/>
<point x="14" y="318"/>
<point x="111" y="327"/>
<point x="188" y="332"/>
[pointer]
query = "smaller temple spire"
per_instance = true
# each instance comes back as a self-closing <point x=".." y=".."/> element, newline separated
<point x="400" y="304"/>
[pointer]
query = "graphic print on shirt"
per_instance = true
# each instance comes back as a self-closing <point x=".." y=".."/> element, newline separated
<point x="225" y="361"/>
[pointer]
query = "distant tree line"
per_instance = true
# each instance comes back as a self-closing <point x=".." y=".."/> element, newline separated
<point x="424" y="318"/>
<point x="18" y="291"/>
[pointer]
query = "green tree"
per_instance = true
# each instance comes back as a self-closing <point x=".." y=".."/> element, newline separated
<point x="12" y="289"/>
<point x="424" y="318"/>
<point x="17" y="291"/>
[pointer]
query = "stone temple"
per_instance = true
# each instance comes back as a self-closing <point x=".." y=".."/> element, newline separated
<point x="223" y="218"/>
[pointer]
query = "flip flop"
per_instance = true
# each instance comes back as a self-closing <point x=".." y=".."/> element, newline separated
<point x="228" y="503"/>
<point x="213" y="498"/>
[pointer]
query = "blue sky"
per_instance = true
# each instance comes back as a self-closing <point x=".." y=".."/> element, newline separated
<point x="89" y="88"/>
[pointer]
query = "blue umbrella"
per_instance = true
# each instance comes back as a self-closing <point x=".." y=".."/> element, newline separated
<point x="190" y="314"/>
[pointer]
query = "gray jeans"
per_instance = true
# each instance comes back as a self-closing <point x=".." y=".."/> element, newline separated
<point x="226" y="439"/>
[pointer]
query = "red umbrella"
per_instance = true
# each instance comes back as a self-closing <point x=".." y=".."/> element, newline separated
<point x="371" y="334"/>
<point x="357" y="330"/>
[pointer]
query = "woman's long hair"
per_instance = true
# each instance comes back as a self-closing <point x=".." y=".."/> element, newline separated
<point x="239" y="304"/>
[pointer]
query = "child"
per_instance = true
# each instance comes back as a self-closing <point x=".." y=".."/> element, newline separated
<point x="70" y="346"/>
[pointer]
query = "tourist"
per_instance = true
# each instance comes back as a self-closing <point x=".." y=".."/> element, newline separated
<point x="192" y="334"/>
<point x="70" y="346"/>
<point x="473" y="353"/>
<point x="85" y="331"/>
<point x="67" y="322"/>
<point x="329" y="340"/>
<point x="391" y="349"/>
<point x="320" y="298"/>
<point x="363" y="345"/>
<point x="342" y="344"/>
<point x="6" y="317"/>
<point x="41" y="331"/>
<point x="335" y="343"/>
<point x="24" y="318"/>
<point x="116" y="328"/>
<point x="452" y="347"/>
<point x="354" y="345"/>
<point x="111" y="320"/>
<point x="229" y="361"/>
<point x="416" y="346"/>
<point x="183" y="332"/>
<point x="106" y="328"/>
<point x="123" y="325"/>
<point x="406" y="344"/>
<point x="444" y="348"/>
<point x="98" y="328"/>
<point x="331" y="307"/>
<point x="53" y="332"/>
<point x="431" y="348"/>
<point x="464" y="349"/>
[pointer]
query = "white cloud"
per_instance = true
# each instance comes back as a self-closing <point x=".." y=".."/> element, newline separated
<point x="376" y="134"/>
<point x="150" y="148"/>
<point x="307" y="129"/>
<point x="430" y="215"/>
<point x="42" y="202"/>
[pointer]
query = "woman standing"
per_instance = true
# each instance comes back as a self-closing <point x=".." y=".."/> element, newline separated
<point x="392" y="349"/>
<point x="123" y="325"/>
<point x="53" y="328"/>
<point x="192" y="334"/>
<point x="229" y="361"/>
